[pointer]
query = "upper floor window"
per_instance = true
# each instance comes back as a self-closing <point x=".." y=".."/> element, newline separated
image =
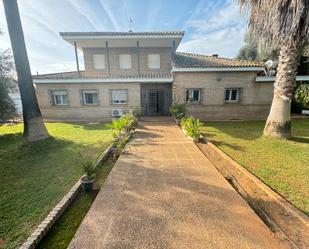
<point x="154" y="61"/>
<point x="98" y="61"/>
<point x="193" y="95"/>
<point x="125" y="61"/>
<point x="60" y="97"/>
<point x="232" y="95"/>
<point x="120" y="96"/>
<point x="90" y="97"/>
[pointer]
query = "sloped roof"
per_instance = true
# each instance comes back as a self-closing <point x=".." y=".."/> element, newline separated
<point x="163" y="33"/>
<point x="189" y="60"/>
<point x="127" y="76"/>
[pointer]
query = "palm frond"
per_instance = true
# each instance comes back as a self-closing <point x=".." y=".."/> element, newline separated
<point x="278" y="21"/>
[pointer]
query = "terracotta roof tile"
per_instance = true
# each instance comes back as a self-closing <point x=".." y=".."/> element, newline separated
<point x="167" y="33"/>
<point x="189" y="60"/>
<point x="74" y="75"/>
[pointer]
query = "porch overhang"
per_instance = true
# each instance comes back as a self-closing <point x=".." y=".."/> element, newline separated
<point x="80" y="81"/>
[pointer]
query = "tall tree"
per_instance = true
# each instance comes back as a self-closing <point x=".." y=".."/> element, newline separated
<point x="7" y="82"/>
<point x="284" y="24"/>
<point x="34" y="127"/>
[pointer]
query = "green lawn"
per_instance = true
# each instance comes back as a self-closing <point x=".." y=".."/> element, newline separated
<point x="62" y="232"/>
<point x="34" y="178"/>
<point x="282" y="164"/>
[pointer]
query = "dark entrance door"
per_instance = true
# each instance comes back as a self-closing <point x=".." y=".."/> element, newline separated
<point x="156" y="98"/>
<point x="155" y="102"/>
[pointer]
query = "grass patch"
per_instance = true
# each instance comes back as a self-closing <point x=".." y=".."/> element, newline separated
<point x="34" y="178"/>
<point x="64" y="229"/>
<point x="281" y="164"/>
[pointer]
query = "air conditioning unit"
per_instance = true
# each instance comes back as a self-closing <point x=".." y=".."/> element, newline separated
<point x="117" y="112"/>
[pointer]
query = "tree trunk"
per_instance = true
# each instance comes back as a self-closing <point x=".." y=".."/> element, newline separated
<point x="34" y="127"/>
<point x="278" y="123"/>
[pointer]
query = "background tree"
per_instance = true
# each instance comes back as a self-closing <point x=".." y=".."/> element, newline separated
<point x="283" y="24"/>
<point x="7" y="82"/>
<point x="34" y="127"/>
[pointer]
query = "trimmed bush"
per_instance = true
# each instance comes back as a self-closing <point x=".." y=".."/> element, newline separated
<point x="192" y="126"/>
<point x="178" y="111"/>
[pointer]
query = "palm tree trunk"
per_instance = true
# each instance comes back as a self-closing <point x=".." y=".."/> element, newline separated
<point x="34" y="127"/>
<point x="278" y="123"/>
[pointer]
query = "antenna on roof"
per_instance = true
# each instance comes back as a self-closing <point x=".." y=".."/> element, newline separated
<point x="130" y="22"/>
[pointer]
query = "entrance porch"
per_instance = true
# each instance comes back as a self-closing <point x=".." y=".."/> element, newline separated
<point x="156" y="98"/>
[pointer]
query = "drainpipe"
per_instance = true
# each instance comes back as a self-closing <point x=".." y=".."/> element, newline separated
<point x="107" y="55"/>
<point x="76" y="58"/>
<point x="138" y="59"/>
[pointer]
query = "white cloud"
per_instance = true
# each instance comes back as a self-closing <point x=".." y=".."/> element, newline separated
<point x="220" y="32"/>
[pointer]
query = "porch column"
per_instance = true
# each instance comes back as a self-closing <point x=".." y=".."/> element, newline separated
<point x="76" y="58"/>
<point x="138" y="59"/>
<point x="107" y="55"/>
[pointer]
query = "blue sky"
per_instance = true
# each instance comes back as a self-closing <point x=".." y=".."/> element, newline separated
<point x="212" y="26"/>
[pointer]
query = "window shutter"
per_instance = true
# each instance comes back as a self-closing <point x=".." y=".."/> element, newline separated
<point x="125" y="61"/>
<point x="154" y="61"/>
<point x="98" y="61"/>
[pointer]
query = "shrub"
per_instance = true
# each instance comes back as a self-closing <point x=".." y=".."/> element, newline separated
<point x="178" y="110"/>
<point x="88" y="169"/>
<point x="126" y="122"/>
<point x="302" y="95"/>
<point x="192" y="126"/>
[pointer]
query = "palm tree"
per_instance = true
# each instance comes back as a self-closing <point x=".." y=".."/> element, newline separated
<point x="34" y="127"/>
<point x="285" y="24"/>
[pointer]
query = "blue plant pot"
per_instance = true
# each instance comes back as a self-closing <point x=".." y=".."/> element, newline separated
<point x="87" y="184"/>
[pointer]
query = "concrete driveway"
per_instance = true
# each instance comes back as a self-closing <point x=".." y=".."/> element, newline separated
<point x="164" y="193"/>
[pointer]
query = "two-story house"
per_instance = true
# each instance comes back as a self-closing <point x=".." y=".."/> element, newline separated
<point x="143" y="71"/>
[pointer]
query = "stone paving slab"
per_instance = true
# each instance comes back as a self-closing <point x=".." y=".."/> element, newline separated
<point x="164" y="193"/>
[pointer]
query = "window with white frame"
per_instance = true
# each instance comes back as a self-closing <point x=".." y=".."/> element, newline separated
<point x="60" y="97"/>
<point x="232" y="95"/>
<point x="98" y="61"/>
<point x="193" y="95"/>
<point x="120" y="96"/>
<point x="125" y="61"/>
<point x="154" y="61"/>
<point x="90" y="97"/>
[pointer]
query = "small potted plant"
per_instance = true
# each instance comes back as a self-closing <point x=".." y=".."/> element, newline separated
<point x="89" y="176"/>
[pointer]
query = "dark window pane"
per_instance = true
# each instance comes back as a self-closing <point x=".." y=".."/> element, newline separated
<point x="187" y="95"/>
<point x="90" y="98"/>
<point x="234" y="95"/>
<point x="196" y="95"/>
<point x="65" y="99"/>
<point x="227" y="94"/>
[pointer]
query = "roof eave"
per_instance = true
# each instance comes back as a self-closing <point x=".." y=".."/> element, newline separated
<point x="273" y="78"/>
<point x="132" y="80"/>
<point x="217" y="69"/>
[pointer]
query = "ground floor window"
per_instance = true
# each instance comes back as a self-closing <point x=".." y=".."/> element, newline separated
<point x="60" y="97"/>
<point x="193" y="95"/>
<point x="232" y="95"/>
<point x="90" y="97"/>
<point x="120" y="96"/>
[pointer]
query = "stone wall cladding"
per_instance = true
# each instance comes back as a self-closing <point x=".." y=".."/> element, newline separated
<point x="255" y="98"/>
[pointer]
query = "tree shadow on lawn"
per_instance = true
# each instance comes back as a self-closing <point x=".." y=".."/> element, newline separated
<point x="303" y="140"/>
<point x="245" y="130"/>
<point x="93" y="126"/>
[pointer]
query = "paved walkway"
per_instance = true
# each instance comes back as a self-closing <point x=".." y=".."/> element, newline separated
<point x="164" y="193"/>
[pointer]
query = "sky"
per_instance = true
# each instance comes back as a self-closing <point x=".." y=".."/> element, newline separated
<point x="211" y="26"/>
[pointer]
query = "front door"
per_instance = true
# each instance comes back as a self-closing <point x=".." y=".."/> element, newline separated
<point x="156" y="98"/>
<point x="155" y="102"/>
